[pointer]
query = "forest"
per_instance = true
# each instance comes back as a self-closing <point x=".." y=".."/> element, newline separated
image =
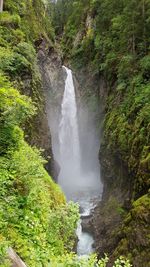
<point x="110" y="41"/>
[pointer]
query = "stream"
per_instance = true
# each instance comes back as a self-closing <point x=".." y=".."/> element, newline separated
<point x="79" y="174"/>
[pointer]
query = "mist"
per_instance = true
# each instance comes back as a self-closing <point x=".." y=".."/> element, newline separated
<point x="75" y="144"/>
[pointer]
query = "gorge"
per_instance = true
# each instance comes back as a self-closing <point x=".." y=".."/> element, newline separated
<point x="75" y="146"/>
<point x="74" y="128"/>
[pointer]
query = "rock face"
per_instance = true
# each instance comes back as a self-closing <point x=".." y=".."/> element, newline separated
<point x="109" y="214"/>
<point x="39" y="135"/>
<point x="46" y="90"/>
<point x="119" y="225"/>
<point x="52" y="76"/>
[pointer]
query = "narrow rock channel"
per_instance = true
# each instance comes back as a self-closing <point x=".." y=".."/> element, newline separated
<point x="79" y="174"/>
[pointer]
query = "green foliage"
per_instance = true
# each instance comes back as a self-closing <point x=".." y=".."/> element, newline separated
<point x="26" y="50"/>
<point x="122" y="262"/>
<point x="134" y="239"/>
<point x="126" y="68"/>
<point x="131" y="135"/>
<point x="71" y="260"/>
<point x="15" y="109"/>
<point x="117" y="32"/>
<point x="112" y="41"/>
<point x="13" y="63"/>
<point x="145" y="66"/>
<point x="35" y="21"/>
<point x="6" y="19"/>
<point x="110" y="38"/>
<point x="34" y="217"/>
<point x="21" y="24"/>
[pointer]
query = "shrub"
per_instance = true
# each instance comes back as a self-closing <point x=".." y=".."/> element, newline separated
<point x="26" y="50"/>
<point x="9" y="20"/>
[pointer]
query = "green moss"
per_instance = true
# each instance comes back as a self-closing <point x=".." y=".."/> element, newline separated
<point x="144" y="201"/>
<point x="34" y="217"/>
<point x="9" y="20"/>
<point x="127" y="128"/>
<point x="95" y="35"/>
<point x="135" y="233"/>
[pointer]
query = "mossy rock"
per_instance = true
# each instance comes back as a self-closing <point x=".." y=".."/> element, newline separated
<point x="136" y="233"/>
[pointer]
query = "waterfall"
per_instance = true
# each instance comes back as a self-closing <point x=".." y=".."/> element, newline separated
<point x="69" y="156"/>
<point x="79" y="175"/>
<point x="85" y="242"/>
<point x="68" y="129"/>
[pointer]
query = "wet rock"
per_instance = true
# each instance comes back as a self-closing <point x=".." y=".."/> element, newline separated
<point x="81" y="210"/>
<point x="52" y="76"/>
<point x="105" y="220"/>
<point x="37" y="131"/>
<point x="87" y="225"/>
<point x="84" y="217"/>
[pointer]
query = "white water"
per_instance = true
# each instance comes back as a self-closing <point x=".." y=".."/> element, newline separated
<point x="79" y="177"/>
<point x="85" y="242"/>
<point x="68" y="135"/>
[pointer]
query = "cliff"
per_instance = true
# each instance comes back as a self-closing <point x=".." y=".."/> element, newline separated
<point x="109" y="45"/>
<point x="35" y="219"/>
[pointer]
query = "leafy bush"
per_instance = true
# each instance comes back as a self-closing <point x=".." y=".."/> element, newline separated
<point x="26" y="50"/>
<point x="126" y="68"/>
<point x="15" y="109"/>
<point x="13" y="63"/>
<point x="9" y="20"/>
<point x="72" y="260"/>
<point x="122" y="262"/>
<point x="34" y="217"/>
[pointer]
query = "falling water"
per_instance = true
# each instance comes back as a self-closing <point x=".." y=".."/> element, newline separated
<point x="68" y="128"/>
<point x="69" y="145"/>
<point x="79" y="185"/>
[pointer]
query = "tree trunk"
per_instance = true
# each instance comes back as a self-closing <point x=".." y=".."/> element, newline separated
<point x="1" y="5"/>
<point x="15" y="259"/>
<point x="133" y="35"/>
<point x="144" y="28"/>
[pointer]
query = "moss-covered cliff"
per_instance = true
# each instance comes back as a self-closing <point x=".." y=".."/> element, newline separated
<point x="35" y="219"/>
<point x="111" y="41"/>
<point x="23" y="25"/>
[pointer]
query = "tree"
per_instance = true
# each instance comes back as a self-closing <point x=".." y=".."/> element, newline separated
<point x="1" y="5"/>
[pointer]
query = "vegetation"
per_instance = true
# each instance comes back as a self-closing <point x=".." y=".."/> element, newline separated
<point x="34" y="217"/>
<point x="112" y="39"/>
<point x="91" y="261"/>
<point x="22" y="26"/>
<point x="134" y="234"/>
